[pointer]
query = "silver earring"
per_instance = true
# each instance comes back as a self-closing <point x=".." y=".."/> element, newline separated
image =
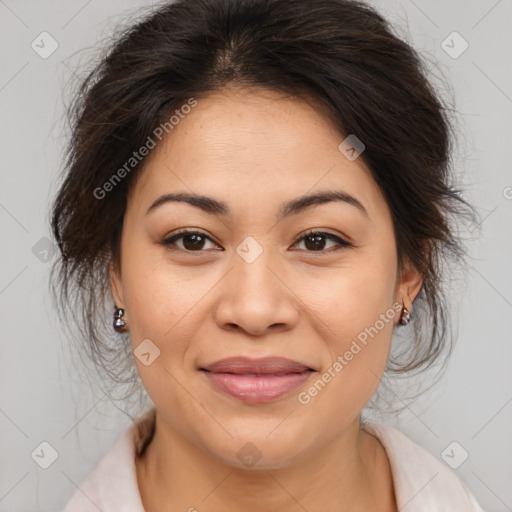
<point x="119" y="323"/>
<point x="405" y="317"/>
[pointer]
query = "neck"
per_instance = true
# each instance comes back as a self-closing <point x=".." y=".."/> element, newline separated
<point x="351" y="474"/>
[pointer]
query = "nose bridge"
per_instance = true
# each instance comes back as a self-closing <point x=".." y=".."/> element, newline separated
<point x="255" y="297"/>
<point x="252" y="261"/>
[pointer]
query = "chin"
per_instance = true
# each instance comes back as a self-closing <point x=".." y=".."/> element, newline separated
<point x="256" y="449"/>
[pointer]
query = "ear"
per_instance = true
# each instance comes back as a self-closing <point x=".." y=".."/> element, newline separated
<point x="116" y="287"/>
<point x="410" y="281"/>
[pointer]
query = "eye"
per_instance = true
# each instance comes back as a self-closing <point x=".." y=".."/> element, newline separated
<point x="192" y="241"/>
<point x="315" y="240"/>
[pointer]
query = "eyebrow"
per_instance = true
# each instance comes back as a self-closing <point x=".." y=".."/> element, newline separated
<point x="287" y="209"/>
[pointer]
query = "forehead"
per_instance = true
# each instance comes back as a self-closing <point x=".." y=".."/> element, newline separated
<point x="253" y="146"/>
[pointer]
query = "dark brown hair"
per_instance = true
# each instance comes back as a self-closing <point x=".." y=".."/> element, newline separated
<point x="341" y="53"/>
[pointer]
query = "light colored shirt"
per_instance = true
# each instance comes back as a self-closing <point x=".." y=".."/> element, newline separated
<point x="421" y="482"/>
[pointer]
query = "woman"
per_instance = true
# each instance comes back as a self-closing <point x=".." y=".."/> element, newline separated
<point x="261" y="191"/>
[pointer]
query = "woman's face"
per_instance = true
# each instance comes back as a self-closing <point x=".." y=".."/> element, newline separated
<point x="253" y="284"/>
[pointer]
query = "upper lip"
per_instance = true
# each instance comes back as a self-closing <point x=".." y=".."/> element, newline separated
<point x="263" y="365"/>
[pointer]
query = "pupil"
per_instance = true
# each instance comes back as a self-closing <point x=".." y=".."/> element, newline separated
<point x="317" y="244"/>
<point x="195" y="244"/>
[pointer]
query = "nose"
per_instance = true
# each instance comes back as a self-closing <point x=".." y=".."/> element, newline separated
<point x="255" y="297"/>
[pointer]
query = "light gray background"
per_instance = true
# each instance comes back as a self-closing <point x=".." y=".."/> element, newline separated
<point x="41" y="398"/>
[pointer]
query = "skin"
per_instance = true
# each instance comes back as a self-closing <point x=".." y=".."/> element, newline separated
<point x="253" y="150"/>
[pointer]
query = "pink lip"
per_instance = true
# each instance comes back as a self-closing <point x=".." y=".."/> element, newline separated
<point x="257" y="380"/>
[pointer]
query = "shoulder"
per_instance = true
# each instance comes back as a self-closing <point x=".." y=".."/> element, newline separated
<point x="112" y="485"/>
<point x="421" y="482"/>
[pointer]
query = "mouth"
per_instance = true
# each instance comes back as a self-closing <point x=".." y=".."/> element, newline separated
<point x="257" y="380"/>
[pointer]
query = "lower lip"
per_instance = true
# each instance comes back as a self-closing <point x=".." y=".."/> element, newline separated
<point x="253" y="389"/>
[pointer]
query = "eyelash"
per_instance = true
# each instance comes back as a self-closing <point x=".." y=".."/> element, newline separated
<point x="168" y="242"/>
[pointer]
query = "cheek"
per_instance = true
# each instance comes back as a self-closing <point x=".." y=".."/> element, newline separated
<point x="160" y="303"/>
<point x="157" y="294"/>
<point x="361" y="319"/>
<point x="353" y="295"/>
<point x="358" y="307"/>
